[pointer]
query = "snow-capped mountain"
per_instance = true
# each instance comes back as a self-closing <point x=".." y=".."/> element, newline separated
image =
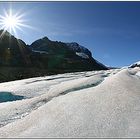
<point x="67" y="54"/>
<point x="45" y="45"/>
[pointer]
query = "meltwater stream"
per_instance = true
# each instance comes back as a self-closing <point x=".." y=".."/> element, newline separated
<point x="8" y="96"/>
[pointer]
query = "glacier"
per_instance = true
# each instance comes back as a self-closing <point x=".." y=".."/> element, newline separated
<point x="91" y="104"/>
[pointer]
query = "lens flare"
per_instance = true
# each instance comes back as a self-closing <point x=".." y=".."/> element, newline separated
<point x="12" y="22"/>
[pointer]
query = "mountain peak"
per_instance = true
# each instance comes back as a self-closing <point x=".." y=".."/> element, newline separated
<point x="45" y="38"/>
<point x="5" y="32"/>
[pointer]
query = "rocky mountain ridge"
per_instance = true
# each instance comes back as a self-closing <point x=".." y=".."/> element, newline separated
<point x="42" y="57"/>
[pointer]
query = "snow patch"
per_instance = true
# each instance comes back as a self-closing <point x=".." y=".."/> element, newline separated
<point x="41" y="52"/>
<point x="83" y="55"/>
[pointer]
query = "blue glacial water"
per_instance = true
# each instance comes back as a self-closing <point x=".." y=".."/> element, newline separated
<point x="8" y="96"/>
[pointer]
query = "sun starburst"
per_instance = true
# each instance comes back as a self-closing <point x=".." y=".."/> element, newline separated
<point x="12" y="22"/>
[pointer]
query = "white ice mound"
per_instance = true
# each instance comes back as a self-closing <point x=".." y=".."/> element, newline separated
<point x="108" y="109"/>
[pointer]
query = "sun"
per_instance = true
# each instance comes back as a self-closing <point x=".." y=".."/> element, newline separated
<point x="12" y="21"/>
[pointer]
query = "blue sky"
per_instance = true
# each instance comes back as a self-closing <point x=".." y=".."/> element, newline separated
<point x="110" y="30"/>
